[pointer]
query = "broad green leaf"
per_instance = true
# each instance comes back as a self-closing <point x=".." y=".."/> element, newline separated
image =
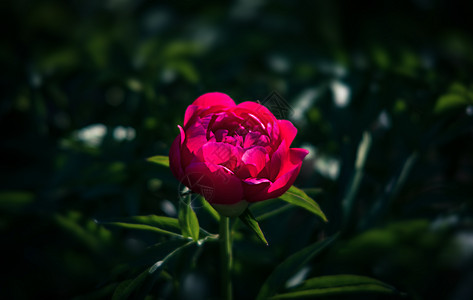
<point x="249" y="220"/>
<point x="290" y="266"/>
<point x="298" y="197"/>
<point x="124" y="289"/>
<point x="342" y="280"/>
<point x="160" y="160"/>
<point x="361" y="288"/>
<point x="188" y="219"/>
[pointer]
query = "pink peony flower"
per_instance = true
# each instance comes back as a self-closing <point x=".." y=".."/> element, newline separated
<point x="234" y="154"/>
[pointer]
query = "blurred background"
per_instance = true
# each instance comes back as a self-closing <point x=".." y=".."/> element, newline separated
<point x="90" y="89"/>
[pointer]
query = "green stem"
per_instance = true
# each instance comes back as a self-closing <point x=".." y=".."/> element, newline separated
<point x="226" y="257"/>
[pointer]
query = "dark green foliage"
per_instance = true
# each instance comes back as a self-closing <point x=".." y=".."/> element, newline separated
<point x="91" y="89"/>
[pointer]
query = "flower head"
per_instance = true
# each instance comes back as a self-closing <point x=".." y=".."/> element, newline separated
<point x="234" y="154"/>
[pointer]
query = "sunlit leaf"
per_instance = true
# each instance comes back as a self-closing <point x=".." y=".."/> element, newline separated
<point x="206" y="205"/>
<point x="160" y="224"/>
<point x="290" y="266"/>
<point x="249" y="220"/>
<point x="141" y="227"/>
<point x="188" y="219"/>
<point x="450" y="101"/>
<point x="167" y="223"/>
<point x="457" y="96"/>
<point x="336" y="285"/>
<point x="160" y="160"/>
<point x="298" y="197"/>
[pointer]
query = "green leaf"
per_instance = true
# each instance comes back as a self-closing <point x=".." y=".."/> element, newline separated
<point x="450" y="101"/>
<point x="166" y="223"/>
<point x="313" y="191"/>
<point x="275" y="212"/>
<point x="298" y="197"/>
<point x="269" y="208"/>
<point x="141" y="227"/>
<point x="206" y="205"/>
<point x="340" y="280"/>
<point x="338" y="284"/>
<point x="154" y="223"/>
<point x="188" y="219"/>
<point x="249" y="220"/>
<point x="124" y="289"/>
<point x="290" y="266"/>
<point x="363" y="288"/>
<point x="160" y="160"/>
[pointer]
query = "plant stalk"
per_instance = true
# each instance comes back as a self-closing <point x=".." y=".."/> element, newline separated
<point x="226" y="257"/>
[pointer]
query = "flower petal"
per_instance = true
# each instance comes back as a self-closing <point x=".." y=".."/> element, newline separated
<point x="283" y="183"/>
<point x="290" y="169"/>
<point x="213" y="182"/>
<point x="263" y="189"/>
<point x="207" y="104"/>
<point x="222" y="154"/>
<point x="251" y="139"/>
<point x="191" y="111"/>
<point x="214" y="99"/>
<point x="256" y="189"/>
<point x="245" y="171"/>
<point x="287" y="131"/>
<point x="221" y="134"/>
<point x="175" y="154"/>
<point x="195" y="136"/>
<point x="257" y="157"/>
<point x="277" y="161"/>
<point x="260" y="111"/>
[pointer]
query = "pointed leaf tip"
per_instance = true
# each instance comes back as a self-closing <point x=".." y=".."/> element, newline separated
<point x="160" y="160"/>
<point x="188" y="219"/>
<point x="249" y="220"/>
<point x="299" y="198"/>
